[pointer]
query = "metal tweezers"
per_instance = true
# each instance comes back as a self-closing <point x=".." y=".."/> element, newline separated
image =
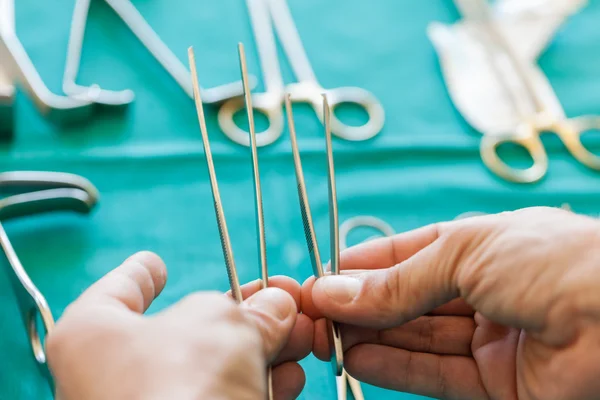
<point x="234" y="282"/>
<point x="127" y="12"/>
<point x="17" y="67"/>
<point x="32" y="193"/>
<point x="343" y="379"/>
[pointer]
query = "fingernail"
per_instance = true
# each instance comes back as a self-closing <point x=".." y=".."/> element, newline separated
<point x="341" y="289"/>
<point x="274" y="302"/>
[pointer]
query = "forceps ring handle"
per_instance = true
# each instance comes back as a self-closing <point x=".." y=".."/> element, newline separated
<point x="267" y="104"/>
<point x="363" y="222"/>
<point x="571" y="131"/>
<point x="364" y="99"/>
<point x="530" y="140"/>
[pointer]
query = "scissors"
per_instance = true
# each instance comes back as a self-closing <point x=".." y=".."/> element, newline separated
<point x="343" y="379"/>
<point x="127" y="12"/>
<point x="18" y="67"/>
<point x="232" y="274"/>
<point x="522" y="80"/>
<point x="36" y="193"/>
<point x="265" y="16"/>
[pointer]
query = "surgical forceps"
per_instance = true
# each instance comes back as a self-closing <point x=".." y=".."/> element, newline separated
<point x="267" y="15"/>
<point x="48" y="192"/>
<point x="363" y="221"/>
<point x="234" y="282"/>
<point x="343" y="380"/>
<point x="7" y="100"/>
<point x="535" y="117"/>
<point x="17" y="65"/>
<point x="127" y="12"/>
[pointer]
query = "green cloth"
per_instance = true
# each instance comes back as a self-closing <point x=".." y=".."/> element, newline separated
<point x="148" y="163"/>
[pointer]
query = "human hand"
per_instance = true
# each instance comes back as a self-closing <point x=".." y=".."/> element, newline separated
<point x="204" y="347"/>
<point x="503" y="306"/>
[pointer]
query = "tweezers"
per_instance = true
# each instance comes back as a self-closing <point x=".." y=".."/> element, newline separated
<point x="220" y="214"/>
<point x="343" y="379"/>
<point x="33" y="193"/>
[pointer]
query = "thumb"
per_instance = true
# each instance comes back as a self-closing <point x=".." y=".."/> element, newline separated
<point x="273" y="311"/>
<point x="388" y="297"/>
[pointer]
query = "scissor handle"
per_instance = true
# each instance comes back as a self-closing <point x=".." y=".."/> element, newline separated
<point x="267" y="103"/>
<point x="570" y="131"/>
<point x="310" y="92"/>
<point x="526" y="137"/>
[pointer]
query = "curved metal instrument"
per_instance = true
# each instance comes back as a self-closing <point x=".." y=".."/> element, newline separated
<point x="267" y="16"/>
<point x="48" y="192"/>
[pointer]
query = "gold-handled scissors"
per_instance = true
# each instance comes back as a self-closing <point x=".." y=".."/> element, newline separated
<point x="528" y="90"/>
<point x="343" y="379"/>
<point x="234" y="282"/>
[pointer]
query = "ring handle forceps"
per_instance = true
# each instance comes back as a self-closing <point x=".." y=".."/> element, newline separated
<point x="48" y="192"/>
<point x="267" y="16"/>
<point x="232" y="274"/>
<point x="7" y="104"/>
<point x="136" y="23"/>
<point x="18" y="66"/>
<point x="535" y="117"/>
<point x="343" y="380"/>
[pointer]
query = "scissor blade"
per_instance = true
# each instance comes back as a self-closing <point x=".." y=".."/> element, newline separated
<point x="307" y="220"/>
<point x="260" y="220"/>
<point x="234" y="282"/>
<point x="333" y="207"/>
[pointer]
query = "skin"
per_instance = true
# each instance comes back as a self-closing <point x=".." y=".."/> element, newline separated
<point x="203" y="347"/>
<point x="504" y="306"/>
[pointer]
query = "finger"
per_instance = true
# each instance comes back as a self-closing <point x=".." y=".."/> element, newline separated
<point x="456" y="307"/>
<point x="322" y="340"/>
<point x="387" y="251"/>
<point x="300" y="342"/>
<point x="440" y="377"/>
<point x="387" y="298"/>
<point x="134" y="285"/>
<point x="288" y="381"/>
<point x="274" y="312"/>
<point x="282" y="282"/>
<point x="437" y="335"/>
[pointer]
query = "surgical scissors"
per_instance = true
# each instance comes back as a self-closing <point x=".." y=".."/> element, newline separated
<point x="517" y="77"/>
<point x="267" y="15"/>
<point x="127" y="12"/>
<point x="17" y="65"/>
<point x="343" y="379"/>
<point x="49" y="192"/>
<point x="234" y="283"/>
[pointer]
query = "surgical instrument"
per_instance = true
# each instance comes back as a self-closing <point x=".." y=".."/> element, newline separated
<point x="528" y="91"/>
<point x="20" y="69"/>
<point x="220" y="214"/>
<point x="267" y="16"/>
<point x="363" y="221"/>
<point x="7" y="100"/>
<point x="337" y="353"/>
<point x="48" y="192"/>
<point x="136" y="23"/>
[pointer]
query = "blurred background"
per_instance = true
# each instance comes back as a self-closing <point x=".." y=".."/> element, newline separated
<point x="147" y="159"/>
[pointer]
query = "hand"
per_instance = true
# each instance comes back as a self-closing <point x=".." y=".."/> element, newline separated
<point x="503" y="306"/>
<point x="204" y="347"/>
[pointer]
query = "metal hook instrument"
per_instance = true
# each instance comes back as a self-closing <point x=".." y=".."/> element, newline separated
<point x="37" y="193"/>
<point x="220" y="214"/>
<point x="18" y="68"/>
<point x="136" y="23"/>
